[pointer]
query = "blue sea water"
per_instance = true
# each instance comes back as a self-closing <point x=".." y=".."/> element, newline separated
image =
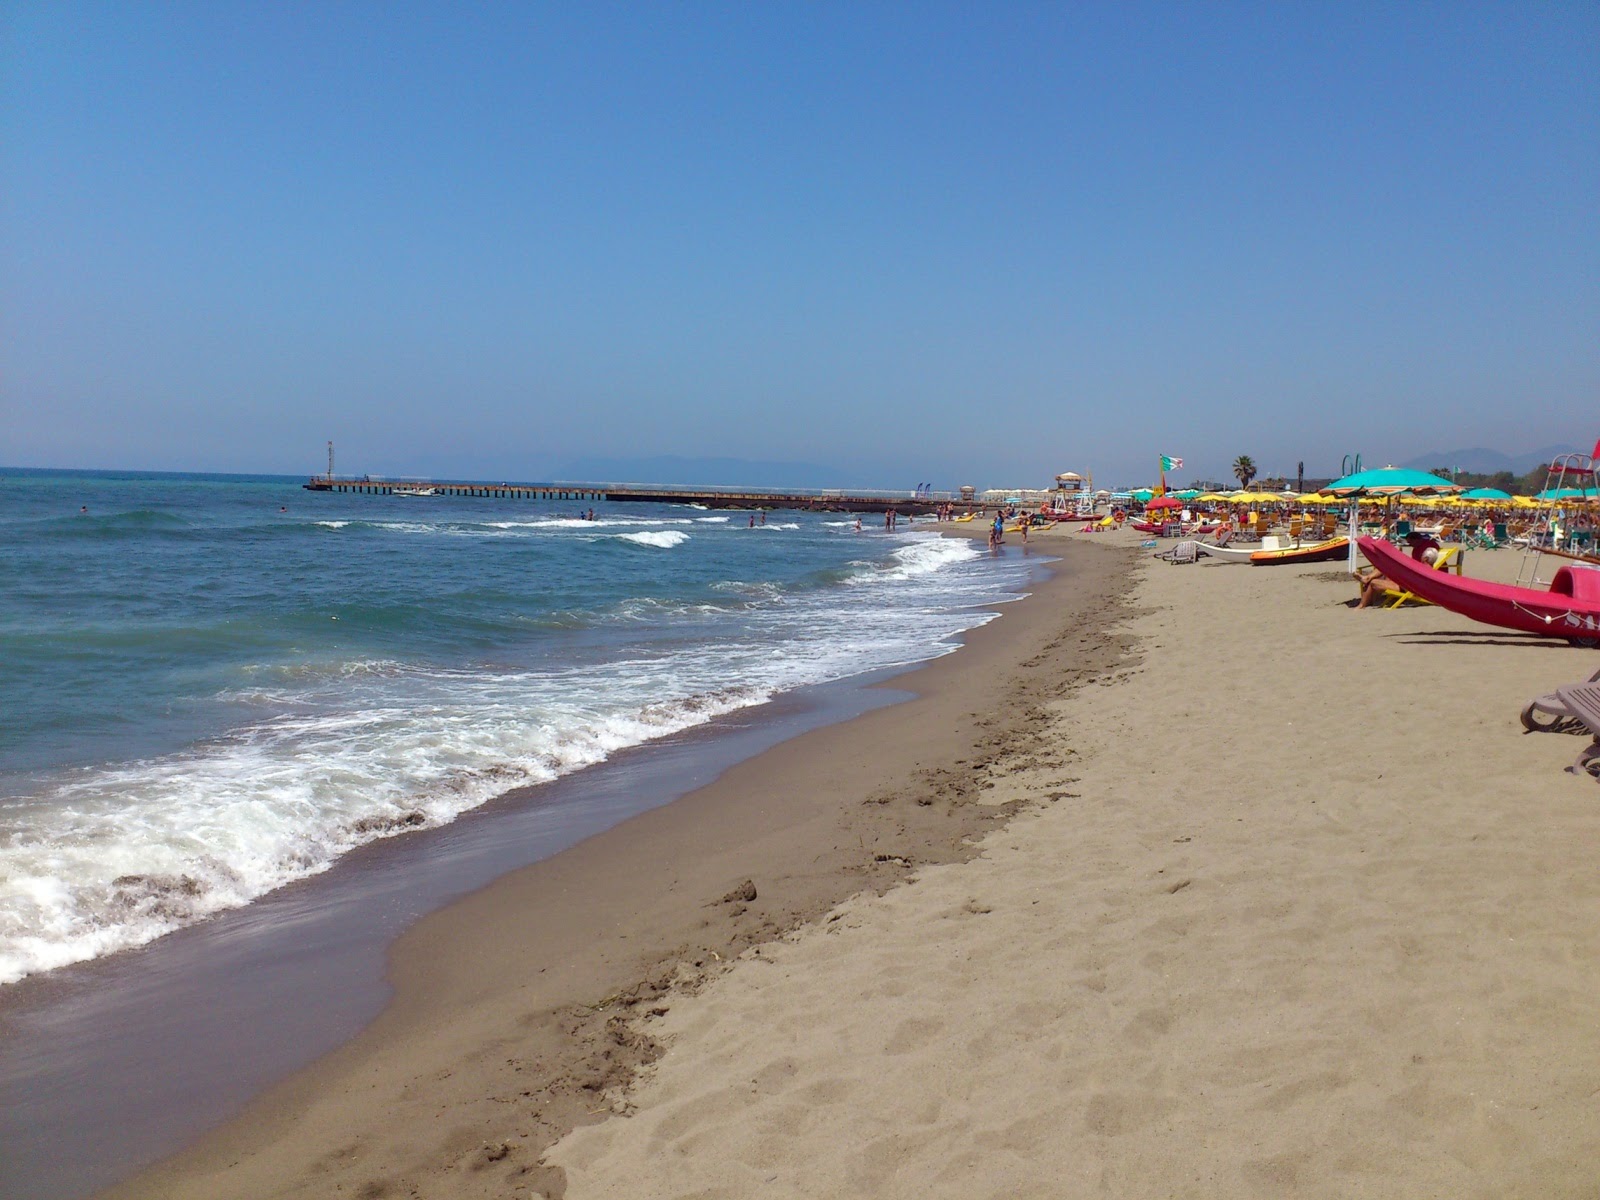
<point x="213" y="685"/>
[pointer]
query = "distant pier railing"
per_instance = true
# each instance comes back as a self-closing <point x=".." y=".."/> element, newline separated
<point x="813" y="499"/>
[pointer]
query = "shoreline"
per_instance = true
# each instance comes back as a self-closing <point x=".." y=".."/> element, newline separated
<point x="643" y="911"/>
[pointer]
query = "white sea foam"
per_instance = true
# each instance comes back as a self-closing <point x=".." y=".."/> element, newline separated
<point x="663" y="539"/>
<point x="138" y="850"/>
<point x="711" y="520"/>
<point x="926" y="554"/>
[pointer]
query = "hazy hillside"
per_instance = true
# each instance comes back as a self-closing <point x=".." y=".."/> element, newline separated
<point x="1487" y="462"/>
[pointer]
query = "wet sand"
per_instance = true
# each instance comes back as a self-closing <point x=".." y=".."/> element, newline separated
<point x="515" y="1009"/>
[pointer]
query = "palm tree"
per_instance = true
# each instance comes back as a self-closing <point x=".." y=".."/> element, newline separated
<point x="1245" y="469"/>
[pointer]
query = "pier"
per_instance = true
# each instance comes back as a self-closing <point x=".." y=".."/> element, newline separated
<point x="811" y="500"/>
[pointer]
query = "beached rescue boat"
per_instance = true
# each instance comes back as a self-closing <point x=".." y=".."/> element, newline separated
<point x="1570" y="609"/>
<point x="1308" y="552"/>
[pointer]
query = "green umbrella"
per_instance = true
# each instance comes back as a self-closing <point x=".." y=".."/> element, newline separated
<point x="1143" y="494"/>
<point x="1564" y="494"/>
<point x="1486" y="494"/>
<point x="1384" y="481"/>
<point x="1390" y="481"/>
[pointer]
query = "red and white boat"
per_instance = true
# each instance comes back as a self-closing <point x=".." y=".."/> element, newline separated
<point x="1570" y="609"/>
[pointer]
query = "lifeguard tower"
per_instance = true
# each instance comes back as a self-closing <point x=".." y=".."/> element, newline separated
<point x="1073" y="495"/>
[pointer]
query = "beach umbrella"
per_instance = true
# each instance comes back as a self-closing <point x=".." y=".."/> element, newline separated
<point x="1211" y="498"/>
<point x="1143" y="494"/>
<point x="1187" y="493"/>
<point x="1486" y="494"/>
<point x="1385" y="482"/>
<point x="1255" y="498"/>
<point x="1563" y="494"/>
<point x="1390" y="481"/>
<point x="1165" y="502"/>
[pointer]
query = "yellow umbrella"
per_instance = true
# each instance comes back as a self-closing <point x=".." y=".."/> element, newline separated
<point x="1211" y="498"/>
<point x="1255" y="498"/>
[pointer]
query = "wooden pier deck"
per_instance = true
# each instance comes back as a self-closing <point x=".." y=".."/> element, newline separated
<point x="822" y="500"/>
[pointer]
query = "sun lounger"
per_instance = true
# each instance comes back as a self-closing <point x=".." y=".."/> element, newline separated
<point x="1549" y="712"/>
<point x="1583" y="702"/>
<point x="1186" y="551"/>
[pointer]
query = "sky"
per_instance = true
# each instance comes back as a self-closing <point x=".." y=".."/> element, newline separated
<point x="957" y="243"/>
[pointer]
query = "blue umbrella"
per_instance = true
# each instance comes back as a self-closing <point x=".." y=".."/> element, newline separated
<point x="1486" y="494"/>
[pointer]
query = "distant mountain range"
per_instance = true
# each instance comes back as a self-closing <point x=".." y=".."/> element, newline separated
<point x="1487" y="462"/>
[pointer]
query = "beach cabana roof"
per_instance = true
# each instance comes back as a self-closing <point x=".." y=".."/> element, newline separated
<point x="1390" y="481"/>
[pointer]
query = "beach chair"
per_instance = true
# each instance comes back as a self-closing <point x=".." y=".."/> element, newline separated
<point x="1451" y="558"/>
<point x="1582" y="700"/>
<point x="1186" y="551"/>
<point x="1549" y="713"/>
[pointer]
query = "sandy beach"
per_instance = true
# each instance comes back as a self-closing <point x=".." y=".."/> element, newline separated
<point x="1177" y="880"/>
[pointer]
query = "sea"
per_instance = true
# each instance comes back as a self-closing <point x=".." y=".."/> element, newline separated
<point x="212" y="686"/>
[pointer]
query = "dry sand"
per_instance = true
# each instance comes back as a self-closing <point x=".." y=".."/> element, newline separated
<point x="1287" y="905"/>
<point x="1316" y="918"/>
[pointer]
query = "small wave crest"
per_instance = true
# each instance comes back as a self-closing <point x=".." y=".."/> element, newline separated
<point x="662" y="539"/>
<point x="926" y="555"/>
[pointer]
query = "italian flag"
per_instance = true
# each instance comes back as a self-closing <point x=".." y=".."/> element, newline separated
<point x="1170" y="464"/>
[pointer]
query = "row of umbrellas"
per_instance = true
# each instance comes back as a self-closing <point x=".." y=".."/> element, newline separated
<point x="1380" y="482"/>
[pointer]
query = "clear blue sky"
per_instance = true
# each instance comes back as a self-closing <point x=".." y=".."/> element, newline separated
<point x="961" y="243"/>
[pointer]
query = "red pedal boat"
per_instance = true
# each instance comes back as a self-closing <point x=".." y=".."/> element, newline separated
<point x="1570" y="609"/>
